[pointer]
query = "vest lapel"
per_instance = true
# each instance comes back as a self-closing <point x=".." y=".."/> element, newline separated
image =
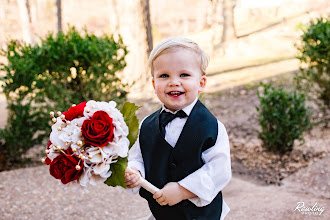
<point x="189" y="125"/>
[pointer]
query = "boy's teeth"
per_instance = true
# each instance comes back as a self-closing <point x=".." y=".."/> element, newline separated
<point x="175" y="93"/>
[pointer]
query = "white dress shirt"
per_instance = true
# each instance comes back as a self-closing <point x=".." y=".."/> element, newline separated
<point x="205" y="182"/>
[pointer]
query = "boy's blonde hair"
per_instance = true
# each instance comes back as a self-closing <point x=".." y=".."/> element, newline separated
<point x="178" y="42"/>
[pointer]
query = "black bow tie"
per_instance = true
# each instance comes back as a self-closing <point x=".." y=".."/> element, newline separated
<point x="166" y="117"/>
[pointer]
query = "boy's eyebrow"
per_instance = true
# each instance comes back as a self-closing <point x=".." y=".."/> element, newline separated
<point x="185" y="70"/>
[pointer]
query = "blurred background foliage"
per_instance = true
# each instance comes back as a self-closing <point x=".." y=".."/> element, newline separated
<point x="314" y="77"/>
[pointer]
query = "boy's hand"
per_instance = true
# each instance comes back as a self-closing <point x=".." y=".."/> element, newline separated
<point x="132" y="179"/>
<point x="171" y="194"/>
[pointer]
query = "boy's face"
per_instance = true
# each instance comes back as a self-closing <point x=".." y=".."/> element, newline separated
<point x="177" y="78"/>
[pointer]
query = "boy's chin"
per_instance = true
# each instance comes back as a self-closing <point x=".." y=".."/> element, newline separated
<point x="171" y="108"/>
<point x="174" y="108"/>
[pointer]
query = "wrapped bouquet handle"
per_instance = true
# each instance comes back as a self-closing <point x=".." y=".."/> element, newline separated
<point x="144" y="183"/>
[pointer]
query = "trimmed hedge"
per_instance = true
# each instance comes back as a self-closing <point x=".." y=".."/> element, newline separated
<point x="283" y="117"/>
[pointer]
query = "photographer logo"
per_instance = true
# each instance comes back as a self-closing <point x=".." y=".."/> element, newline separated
<point x="309" y="210"/>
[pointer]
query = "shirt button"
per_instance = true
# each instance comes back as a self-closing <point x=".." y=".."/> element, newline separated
<point x="173" y="165"/>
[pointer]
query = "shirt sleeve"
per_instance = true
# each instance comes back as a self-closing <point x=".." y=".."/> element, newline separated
<point x="135" y="159"/>
<point x="214" y="175"/>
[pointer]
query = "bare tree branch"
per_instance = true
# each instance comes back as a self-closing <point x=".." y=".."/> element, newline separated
<point x="59" y="15"/>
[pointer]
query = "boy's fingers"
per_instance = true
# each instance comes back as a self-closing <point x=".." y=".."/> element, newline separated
<point x="135" y="184"/>
<point x="162" y="202"/>
<point x="135" y="179"/>
<point x="127" y="174"/>
<point x="132" y="180"/>
<point x="158" y="194"/>
<point x="129" y="178"/>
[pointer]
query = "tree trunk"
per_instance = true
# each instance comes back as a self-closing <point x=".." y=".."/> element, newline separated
<point x="113" y="16"/>
<point x="59" y="15"/>
<point x="201" y="22"/>
<point x="228" y="31"/>
<point x="134" y="27"/>
<point x="23" y="6"/>
<point x="147" y="23"/>
<point x="215" y="23"/>
<point x="2" y="23"/>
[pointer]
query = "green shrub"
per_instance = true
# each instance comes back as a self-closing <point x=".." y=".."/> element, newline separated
<point x="61" y="70"/>
<point x="283" y="118"/>
<point x="315" y="56"/>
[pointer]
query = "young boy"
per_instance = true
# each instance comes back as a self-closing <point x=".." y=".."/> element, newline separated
<point x="182" y="148"/>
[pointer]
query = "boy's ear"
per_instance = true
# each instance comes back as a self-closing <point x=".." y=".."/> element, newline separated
<point x="153" y="82"/>
<point x="202" y="84"/>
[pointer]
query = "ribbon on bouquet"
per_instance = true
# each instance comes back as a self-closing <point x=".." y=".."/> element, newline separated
<point x="144" y="183"/>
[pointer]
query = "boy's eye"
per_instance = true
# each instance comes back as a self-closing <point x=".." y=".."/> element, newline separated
<point x="163" y="76"/>
<point x="184" y="75"/>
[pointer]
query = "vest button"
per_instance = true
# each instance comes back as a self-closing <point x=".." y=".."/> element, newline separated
<point x="173" y="165"/>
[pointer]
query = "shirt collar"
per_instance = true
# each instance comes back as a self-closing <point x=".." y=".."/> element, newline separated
<point x="186" y="109"/>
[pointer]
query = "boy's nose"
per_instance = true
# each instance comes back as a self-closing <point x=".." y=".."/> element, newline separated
<point x="174" y="82"/>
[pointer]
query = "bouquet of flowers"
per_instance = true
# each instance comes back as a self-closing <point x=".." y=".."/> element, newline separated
<point x="89" y="143"/>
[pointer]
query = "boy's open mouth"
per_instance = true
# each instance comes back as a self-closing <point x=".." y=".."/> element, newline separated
<point x="175" y="93"/>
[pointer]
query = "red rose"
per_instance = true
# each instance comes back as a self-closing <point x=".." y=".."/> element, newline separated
<point x="48" y="161"/>
<point x="75" y="111"/>
<point x="49" y="143"/>
<point x="98" y="131"/>
<point x="63" y="167"/>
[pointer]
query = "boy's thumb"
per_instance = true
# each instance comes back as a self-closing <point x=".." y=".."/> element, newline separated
<point x="131" y="170"/>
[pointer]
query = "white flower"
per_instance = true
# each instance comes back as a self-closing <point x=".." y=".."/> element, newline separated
<point x="102" y="170"/>
<point x="96" y="179"/>
<point x="55" y="134"/>
<point x="94" y="153"/>
<point x="52" y="153"/>
<point x="68" y="133"/>
<point x="85" y="176"/>
<point x="94" y="174"/>
<point x="121" y="147"/>
<point x="78" y="121"/>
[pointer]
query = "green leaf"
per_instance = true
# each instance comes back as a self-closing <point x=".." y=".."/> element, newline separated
<point x="117" y="177"/>
<point x="128" y="110"/>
